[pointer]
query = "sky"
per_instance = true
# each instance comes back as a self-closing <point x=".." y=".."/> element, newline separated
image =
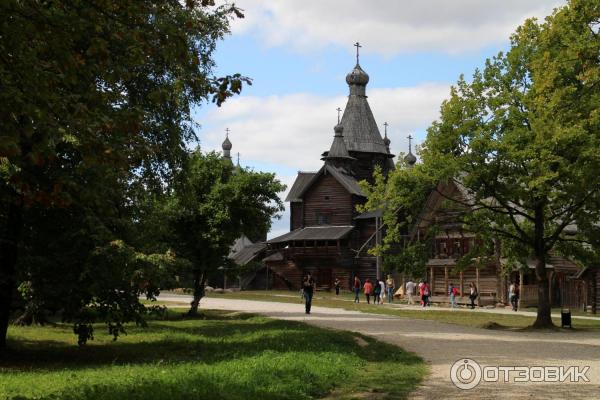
<point x="298" y="52"/>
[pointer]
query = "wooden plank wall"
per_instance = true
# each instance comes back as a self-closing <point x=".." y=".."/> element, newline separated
<point x="338" y="205"/>
<point x="296" y="215"/>
<point x="287" y="275"/>
<point x="365" y="268"/>
<point x="487" y="280"/>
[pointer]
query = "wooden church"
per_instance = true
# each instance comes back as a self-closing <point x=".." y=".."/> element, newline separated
<point x="328" y="237"/>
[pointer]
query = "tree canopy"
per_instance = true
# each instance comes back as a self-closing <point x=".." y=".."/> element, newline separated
<point x="97" y="100"/>
<point x="522" y="137"/>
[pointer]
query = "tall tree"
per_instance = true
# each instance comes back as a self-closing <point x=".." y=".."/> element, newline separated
<point x="523" y="138"/>
<point x="104" y="86"/>
<point x="212" y="205"/>
<point x="400" y="197"/>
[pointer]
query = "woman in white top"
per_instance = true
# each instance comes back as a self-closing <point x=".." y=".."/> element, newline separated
<point x="382" y="286"/>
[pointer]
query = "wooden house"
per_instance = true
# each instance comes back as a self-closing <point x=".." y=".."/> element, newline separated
<point x="441" y="222"/>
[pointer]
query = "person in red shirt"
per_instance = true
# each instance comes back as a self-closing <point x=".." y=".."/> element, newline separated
<point x="368" y="289"/>
<point x="425" y="293"/>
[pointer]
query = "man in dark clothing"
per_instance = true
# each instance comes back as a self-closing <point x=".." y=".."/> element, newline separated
<point x="308" y="286"/>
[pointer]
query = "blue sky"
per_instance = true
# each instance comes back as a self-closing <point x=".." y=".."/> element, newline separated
<point x="298" y="52"/>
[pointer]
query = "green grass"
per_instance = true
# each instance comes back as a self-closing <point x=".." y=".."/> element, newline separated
<point x="461" y="316"/>
<point x="218" y="356"/>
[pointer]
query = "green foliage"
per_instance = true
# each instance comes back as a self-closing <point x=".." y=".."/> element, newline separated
<point x="522" y="139"/>
<point x="212" y="204"/>
<point x="225" y="356"/>
<point x="401" y="196"/>
<point x="96" y="114"/>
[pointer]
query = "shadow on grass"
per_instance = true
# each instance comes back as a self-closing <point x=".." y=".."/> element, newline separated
<point x="206" y="339"/>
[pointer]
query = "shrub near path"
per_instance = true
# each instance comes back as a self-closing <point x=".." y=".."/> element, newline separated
<point x="220" y="355"/>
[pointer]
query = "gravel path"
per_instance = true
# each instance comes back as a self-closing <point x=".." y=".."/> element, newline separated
<point x="442" y="344"/>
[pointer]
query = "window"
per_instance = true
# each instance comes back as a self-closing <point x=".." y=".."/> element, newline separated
<point x="323" y="219"/>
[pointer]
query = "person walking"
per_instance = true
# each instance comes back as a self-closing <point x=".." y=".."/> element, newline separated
<point x="356" y="287"/>
<point x="453" y="292"/>
<point x="391" y="285"/>
<point x="376" y="292"/>
<point x="337" y="286"/>
<point x="368" y="289"/>
<point x="425" y="293"/>
<point x="410" y="291"/>
<point x="473" y="294"/>
<point x="308" y="287"/>
<point x="513" y="295"/>
<point x="381" y="291"/>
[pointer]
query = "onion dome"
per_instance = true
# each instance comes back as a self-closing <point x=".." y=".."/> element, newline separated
<point x="357" y="76"/>
<point x="386" y="140"/>
<point x="226" y="146"/>
<point x="410" y="157"/>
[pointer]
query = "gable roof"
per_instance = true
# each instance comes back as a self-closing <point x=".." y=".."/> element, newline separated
<point x="246" y="254"/>
<point x="347" y="181"/>
<point x="301" y="181"/>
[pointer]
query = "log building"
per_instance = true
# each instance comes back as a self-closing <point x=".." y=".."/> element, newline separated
<point x="328" y="237"/>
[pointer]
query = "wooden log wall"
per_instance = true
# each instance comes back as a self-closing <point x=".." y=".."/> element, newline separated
<point x="286" y="274"/>
<point x="296" y="215"/>
<point x="328" y="196"/>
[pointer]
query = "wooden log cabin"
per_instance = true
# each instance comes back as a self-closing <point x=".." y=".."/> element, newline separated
<point x="326" y="232"/>
<point x="441" y="218"/>
<point x="450" y="242"/>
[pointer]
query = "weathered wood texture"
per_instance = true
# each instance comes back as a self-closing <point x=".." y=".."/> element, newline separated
<point x="296" y="209"/>
<point x="327" y="197"/>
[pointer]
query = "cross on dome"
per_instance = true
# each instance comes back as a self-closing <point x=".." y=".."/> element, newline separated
<point x="358" y="46"/>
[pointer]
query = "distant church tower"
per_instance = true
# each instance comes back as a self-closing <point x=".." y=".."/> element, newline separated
<point x="410" y="157"/>
<point x="226" y="146"/>
<point x="360" y="132"/>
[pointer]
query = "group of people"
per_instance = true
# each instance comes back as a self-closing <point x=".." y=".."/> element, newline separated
<point x="378" y="290"/>
<point x="425" y="293"/>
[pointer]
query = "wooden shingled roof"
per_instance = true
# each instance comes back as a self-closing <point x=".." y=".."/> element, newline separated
<point x="301" y="181"/>
<point x="326" y="232"/>
<point x="304" y="181"/>
<point x="247" y="253"/>
<point x="361" y="133"/>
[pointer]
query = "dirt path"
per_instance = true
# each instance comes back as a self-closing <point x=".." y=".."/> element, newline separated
<point x="442" y="344"/>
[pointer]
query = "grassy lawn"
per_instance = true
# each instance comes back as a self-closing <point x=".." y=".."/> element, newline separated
<point x="461" y="316"/>
<point x="220" y="355"/>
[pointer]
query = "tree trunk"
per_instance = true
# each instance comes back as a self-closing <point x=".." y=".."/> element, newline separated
<point x="199" y="282"/>
<point x="9" y="242"/>
<point x="544" y="317"/>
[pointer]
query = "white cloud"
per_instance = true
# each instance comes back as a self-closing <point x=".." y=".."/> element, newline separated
<point x="293" y="130"/>
<point x="388" y="27"/>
